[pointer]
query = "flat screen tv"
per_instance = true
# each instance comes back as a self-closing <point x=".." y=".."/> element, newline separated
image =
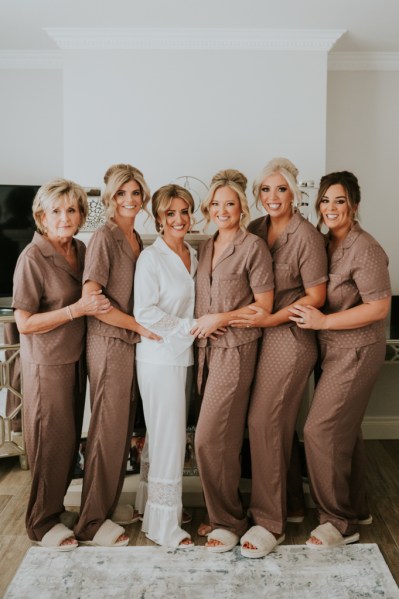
<point x="16" y="231"/>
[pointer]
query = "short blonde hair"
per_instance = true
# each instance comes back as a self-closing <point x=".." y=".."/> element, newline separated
<point x="115" y="177"/>
<point x="284" y="167"/>
<point x="237" y="182"/>
<point x="162" y="199"/>
<point x="54" y="192"/>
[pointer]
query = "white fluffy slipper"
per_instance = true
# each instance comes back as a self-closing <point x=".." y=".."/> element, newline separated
<point x="55" y="536"/>
<point x="228" y="538"/>
<point x="262" y="539"/>
<point x="107" y="536"/>
<point x="330" y="537"/>
<point x="125" y="514"/>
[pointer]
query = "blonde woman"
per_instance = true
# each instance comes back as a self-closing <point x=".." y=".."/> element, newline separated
<point x="48" y="310"/>
<point x="287" y="355"/>
<point x="234" y="271"/>
<point x="111" y="259"/>
<point x="164" y="303"/>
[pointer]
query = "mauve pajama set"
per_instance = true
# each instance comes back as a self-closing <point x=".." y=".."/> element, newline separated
<point x="350" y="363"/>
<point x="54" y="379"/>
<point x="286" y="359"/>
<point x="226" y="368"/>
<point x="110" y="262"/>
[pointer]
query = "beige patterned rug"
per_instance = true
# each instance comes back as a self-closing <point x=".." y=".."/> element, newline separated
<point x="291" y="572"/>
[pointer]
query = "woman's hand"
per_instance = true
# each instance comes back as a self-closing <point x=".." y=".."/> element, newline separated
<point x="209" y="325"/>
<point x="91" y="304"/>
<point x="146" y="333"/>
<point x="308" y="317"/>
<point x="257" y="317"/>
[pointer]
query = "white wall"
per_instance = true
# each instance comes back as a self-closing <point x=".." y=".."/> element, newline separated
<point x="174" y="113"/>
<point x="363" y="136"/>
<point x="31" y="126"/>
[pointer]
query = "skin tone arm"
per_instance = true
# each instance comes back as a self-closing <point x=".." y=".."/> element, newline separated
<point x="354" y="318"/>
<point x="209" y="323"/>
<point x="94" y="303"/>
<point x="117" y="318"/>
<point x="258" y="317"/>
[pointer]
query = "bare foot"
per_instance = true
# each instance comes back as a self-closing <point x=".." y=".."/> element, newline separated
<point x="186" y="541"/>
<point x="248" y="545"/>
<point x="213" y="543"/>
<point x="315" y="541"/>
<point x="69" y="541"/>
<point x="122" y="538"/>
<point x="204" y="529"/>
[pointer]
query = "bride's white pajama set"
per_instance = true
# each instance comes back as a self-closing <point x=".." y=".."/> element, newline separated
<point x="164" y="303"/>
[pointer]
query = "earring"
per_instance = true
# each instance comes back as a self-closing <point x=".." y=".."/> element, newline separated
<point x="160" y="226"/>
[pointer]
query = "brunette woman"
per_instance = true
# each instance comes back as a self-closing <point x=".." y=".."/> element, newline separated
<point x="351" y="333"/>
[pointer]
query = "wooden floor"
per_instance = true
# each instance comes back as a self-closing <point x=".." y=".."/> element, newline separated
<point x="383" y="488"/>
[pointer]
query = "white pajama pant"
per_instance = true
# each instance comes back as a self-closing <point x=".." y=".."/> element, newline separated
<point x="163" y="392"/>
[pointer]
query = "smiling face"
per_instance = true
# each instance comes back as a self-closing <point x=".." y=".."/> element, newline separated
<point x="335" y="211"/>
<point x="129" y="199"/>
<point x="276" y="196"/>
<point x="62" y="220"/>
<point x="225" y="209"/>
<point x="176" y="221"/>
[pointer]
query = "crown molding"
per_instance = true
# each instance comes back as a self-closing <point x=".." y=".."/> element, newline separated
<point x="31" y="59"/>
<point x="157" y="38"/>
<point x="363" y="61"/>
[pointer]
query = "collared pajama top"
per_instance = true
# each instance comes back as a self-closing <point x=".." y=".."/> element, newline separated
<point x="44" y="281"/>
<point x="164" y="303"/>
<point x="111" y="262"/>
<point x="299" y="259"/>
<point x="243" y="270"/>
<point x="358" y="274"/>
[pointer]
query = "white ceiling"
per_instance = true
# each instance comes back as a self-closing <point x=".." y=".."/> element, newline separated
<point x="371" y="25"/>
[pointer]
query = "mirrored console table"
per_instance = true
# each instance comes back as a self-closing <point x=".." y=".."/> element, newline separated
<point x="11" y="416"/>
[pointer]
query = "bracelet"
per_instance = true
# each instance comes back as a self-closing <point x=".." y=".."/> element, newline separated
<point x="68" y="309"/>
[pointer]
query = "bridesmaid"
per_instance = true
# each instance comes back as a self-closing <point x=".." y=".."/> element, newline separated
<point x="287" y="354"/>
<point x="351" y="333"/>
<point x="234" y="270"/>
<point x="111" y="339"/>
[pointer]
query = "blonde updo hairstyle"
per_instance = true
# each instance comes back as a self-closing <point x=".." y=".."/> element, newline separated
<point x="115" y="177"/>
<point x="284" y="167"/>
<point x="162" y="199"/>
<point x="237" y="182"/>
<point x="54" y="192"/>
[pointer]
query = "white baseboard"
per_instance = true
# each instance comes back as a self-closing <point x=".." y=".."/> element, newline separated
<point x="377" y="427"/>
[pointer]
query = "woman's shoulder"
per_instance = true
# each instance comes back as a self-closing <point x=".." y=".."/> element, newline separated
<point x="258" y="226"/>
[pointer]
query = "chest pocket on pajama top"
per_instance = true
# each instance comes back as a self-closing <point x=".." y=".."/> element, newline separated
<point x="282" y="276"/>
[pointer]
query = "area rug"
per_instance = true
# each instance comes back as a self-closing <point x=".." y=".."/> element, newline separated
<point x="293" y="572"/>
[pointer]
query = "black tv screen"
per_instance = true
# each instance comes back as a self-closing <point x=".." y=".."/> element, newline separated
<point x="16" y="229"/>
